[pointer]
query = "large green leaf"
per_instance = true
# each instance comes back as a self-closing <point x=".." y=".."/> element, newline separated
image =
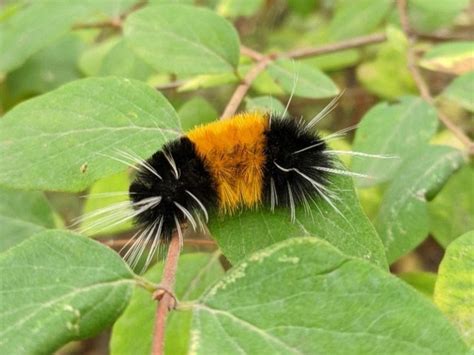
<point x="450" y="57"/>
<point x="57" y="287"/>
<point x="348" y="228"/>
<point x="460" y="90"/>
<point x="132" y="332"/>
<point x="454" y="288"/>
<point x="403" y="221"/>
<point x="55" y="141"/>
<point x="22" y="214"/>
<point x="357" y="17"/>
<point x="395" y="130"/>
<point x="183" y="39"/>
<point x="302" y="80"/>
<point x="302" y="296"/>
<point x="452" y="210"/>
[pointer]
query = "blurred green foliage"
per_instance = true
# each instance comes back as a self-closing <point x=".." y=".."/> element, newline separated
<point x="82" y="80"/>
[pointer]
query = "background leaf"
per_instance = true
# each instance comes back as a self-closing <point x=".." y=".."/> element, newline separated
<point x="54" y="142"/>
<point x="303" y="79"/>
<point x="357" y="17"/>
<point x="384" y="131"/>
<point x="422" y="281"/>
<point x="265" y="104"/>
<point x="47" y="69"/>
<point x="403" y="220"/>
<point x="122" y="61"/>
<point x="234" y="8"/>
<point x="57" y="287"/>
<point x="455" y="285"/>
<point x="195" y="112"/>
<point x="132" y="332"/>
<point x="22" y="214"/>
<point x="97" y="198"/>
<point x="248" y="231"/>
<point x="302" y="296"/>
<point x="451" y="57"/>
<point x="427" y="15"/>
<point x="460" y="91"/>
<point x="452" y="210"/>
<point x="183" y="39"/>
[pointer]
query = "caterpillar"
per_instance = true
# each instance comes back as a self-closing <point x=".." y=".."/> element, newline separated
<point x="251" y="160"/>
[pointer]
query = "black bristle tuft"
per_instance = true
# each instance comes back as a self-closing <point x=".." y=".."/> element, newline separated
<point x="192" y="182"/>
<point x="285" y="164"/>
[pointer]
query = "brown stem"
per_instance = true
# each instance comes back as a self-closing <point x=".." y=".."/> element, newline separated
<point x="421" y="83"/>
<point x="166" y="300"/>
<point x="263" y="61"/>
<point x="335" y="47"/>
<point x="115" y="23"/>
<point x="242" y="89"/>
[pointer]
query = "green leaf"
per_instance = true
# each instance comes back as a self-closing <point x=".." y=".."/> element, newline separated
<point x="455" y="287"/>
<point x="428" y="15"/>
<point x="57" y="287"/>
<point x="460" y="90"/>
<point x="304" y="80"/>
<point x="451" y="57"/>
<point x="334" y="61"/>
<point x="452" y="210"/>
<point x="207" y="81"/>
<point x="55" y="141"/>
<point x="403" y="220"/>
<point x="97" y="198"/>
<point x="33" y="28"/>
<point x="122" y="61"/>
<point x="264" y="104"/>
<point x="302" y="296"/>
<point x="377" y="75"/>
<point x="183" y="39"/>
<point x="37" y="25"/>
<point x="195" y="112"/>
<point x="392" y="130"/>
<point x="47" y="69"/>
<point x="132" y="333"/>
<point x="22" y="214"/>
<point x="248" y="231"/>
<point x="357" y="17"/>
<point x="424" y="282"/>
<point x="302" y="7"/>
<point x="235" y="8"/>
<point x="91" y="59"/>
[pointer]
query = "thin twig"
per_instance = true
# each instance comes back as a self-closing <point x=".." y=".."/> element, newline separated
<point x="166" y="300"/>
<point x="335" y="47"/>
<point x="421" y="83"/>
<point x="115" y="23"/>
<point x="263" y="61"/>
<point x="242" y="89"/>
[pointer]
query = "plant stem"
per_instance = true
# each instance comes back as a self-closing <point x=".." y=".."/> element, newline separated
<point x="262" y="61"/>
<point x="166" y="301"/>
<point x="421" y="83"/>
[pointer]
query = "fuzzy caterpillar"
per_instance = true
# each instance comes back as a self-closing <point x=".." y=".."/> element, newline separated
<point x="246" y="161"/>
